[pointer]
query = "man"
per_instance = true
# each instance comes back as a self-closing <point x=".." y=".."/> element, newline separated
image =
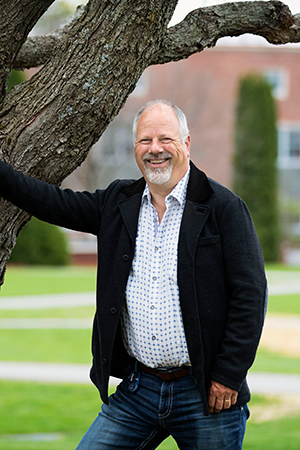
<point x="181" y="292"/>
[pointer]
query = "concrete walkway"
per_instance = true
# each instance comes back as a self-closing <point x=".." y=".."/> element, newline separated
<point x="30" y="324"/>
<point x="273" y="321"/>
<point x="260" y="383"/>
<point x="48" y="301"/>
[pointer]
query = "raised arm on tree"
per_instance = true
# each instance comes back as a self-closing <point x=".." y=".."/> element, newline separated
<point x="90" y="66"/>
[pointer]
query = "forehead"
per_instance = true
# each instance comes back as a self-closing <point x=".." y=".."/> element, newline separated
<point x="158" y="117"/>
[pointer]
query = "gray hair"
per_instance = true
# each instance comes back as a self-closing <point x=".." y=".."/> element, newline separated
<point x="181" y="117"/>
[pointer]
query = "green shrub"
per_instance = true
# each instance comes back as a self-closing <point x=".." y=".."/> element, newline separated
<point x="40" y="243"/>
<point x="255" y="171"/>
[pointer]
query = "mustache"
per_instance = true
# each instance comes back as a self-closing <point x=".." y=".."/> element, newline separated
<point x="164" y="155"/>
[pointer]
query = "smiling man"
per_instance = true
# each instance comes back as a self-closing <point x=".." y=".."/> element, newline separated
<point x="161" y="150"/>
<point x="181" y="292"/>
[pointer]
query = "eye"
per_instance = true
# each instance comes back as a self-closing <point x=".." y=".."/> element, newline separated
<point x="166" y="140"/>
<point x="145" y="141"/>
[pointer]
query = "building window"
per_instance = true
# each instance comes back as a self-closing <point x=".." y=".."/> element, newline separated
<point x="294" y="147"/>
<point x="278" y="79"/>
<point x="289" y="146"/>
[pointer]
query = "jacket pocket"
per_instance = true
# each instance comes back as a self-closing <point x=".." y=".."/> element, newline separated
<point x="209" y="240"/>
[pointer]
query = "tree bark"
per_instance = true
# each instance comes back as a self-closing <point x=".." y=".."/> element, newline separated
<point x="37" y="50"/>
<point x="91" y="65"/>
<point x="203" y="27"/>
<point x="16" y="22"/>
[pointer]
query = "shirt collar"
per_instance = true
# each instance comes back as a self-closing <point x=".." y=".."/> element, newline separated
<point x="179" y="191"/>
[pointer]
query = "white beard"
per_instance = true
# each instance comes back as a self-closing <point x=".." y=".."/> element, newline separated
<point x="159" y="175"/>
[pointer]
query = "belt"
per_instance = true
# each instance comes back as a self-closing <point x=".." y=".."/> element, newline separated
<point x="165" y="373"/>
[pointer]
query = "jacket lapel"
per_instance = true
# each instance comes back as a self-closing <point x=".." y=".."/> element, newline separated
<point x="193" y="220"/>
<point x="195" y="214"/>
<point x="130" y="206"/>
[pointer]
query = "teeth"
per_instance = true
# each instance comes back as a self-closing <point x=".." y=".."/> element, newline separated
<point x="157" y="161"/>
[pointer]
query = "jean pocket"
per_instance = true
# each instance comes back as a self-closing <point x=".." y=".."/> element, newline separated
<point x="246" y="410"/>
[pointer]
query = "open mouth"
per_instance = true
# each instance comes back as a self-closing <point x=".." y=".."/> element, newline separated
<point x="157" y="162"/>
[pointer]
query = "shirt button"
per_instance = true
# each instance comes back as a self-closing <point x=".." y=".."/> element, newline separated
<point x="104" y="361"/>
<point x="154" y="278"/>
<point x="155" y="249"/>
<point x="152" y="307"/>
<point x="125" y="257"/>
<point x="153" y="338"/>
<point x="154" y="220"/>
<point x="113" y="310"/>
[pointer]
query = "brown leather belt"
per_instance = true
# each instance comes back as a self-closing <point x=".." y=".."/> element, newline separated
<point x="166" y="374"/>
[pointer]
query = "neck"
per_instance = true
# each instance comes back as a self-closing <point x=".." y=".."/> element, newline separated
<point x="158" y="201"/>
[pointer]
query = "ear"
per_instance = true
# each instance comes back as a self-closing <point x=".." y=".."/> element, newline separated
<point x="187" y="145"/>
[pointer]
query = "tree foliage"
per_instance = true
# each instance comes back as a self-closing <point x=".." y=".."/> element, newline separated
<point x="255" y="163"/>
<point x="40" y="243"/>
<point x="16" y="77"/>
<point x="90" y="66"/>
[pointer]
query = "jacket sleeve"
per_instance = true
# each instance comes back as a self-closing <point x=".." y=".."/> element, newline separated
<point x="79" y="211"/>
<point x="247" y="288"/>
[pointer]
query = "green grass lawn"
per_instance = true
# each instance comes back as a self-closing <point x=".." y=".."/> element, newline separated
<point x="267" y="361"/>
<point x="30" y="408"/>
<point x="282" y="434"/>
<point x="270" y="267"/>
<point x="48" y="280"/>
<point x="284" y="304"/>
<point x="48" y="345"/>
<point x="64" y="412"/>
<point x="39" y="409"/>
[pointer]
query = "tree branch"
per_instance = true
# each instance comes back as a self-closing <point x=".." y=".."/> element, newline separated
<point x="37" y="50"/>
<point x="203" y="27"/>
<point x="16" y="21"/>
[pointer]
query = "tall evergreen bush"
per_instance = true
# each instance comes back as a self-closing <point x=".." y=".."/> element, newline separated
<point x="40" y="243"/>
<point x="255" y="171"/>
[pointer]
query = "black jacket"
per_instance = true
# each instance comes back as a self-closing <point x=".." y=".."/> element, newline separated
<point x="221" y="277"/>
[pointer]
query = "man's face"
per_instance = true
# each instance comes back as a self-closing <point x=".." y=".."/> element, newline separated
<point x="161" y="156"/>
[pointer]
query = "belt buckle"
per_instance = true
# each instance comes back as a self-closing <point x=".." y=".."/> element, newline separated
<point x="163" y="369"/>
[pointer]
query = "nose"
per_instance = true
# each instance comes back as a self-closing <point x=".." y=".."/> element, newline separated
<point x="155" y="146"/>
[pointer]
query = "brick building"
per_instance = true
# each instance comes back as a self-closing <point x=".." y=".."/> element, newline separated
<point x="205" y="87"/>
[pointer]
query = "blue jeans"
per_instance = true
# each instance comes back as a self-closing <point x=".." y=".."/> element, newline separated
<point x="144" y="418"/>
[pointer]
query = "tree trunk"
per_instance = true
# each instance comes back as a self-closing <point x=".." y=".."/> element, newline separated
<point x="49" y="123"/>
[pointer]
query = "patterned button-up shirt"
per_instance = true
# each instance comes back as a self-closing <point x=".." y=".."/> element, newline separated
<point x="151" y="317"/>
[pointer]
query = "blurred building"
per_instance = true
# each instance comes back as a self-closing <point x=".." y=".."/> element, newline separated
<point x="205" y="87"/>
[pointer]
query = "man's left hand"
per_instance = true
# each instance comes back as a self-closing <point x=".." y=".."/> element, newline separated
<point x="220" y="397"/>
